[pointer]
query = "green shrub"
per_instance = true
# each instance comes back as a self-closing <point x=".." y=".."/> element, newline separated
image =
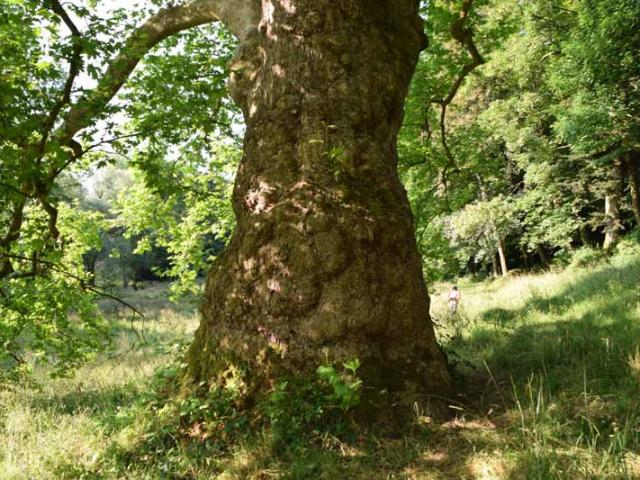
<point x="299" y="407"/>
<point x="345" y="385"/>
<point x="586" y="257"/>
<point x="629" y="247"/>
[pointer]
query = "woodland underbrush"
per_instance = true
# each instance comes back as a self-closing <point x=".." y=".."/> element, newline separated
<point x="547" y="368"/>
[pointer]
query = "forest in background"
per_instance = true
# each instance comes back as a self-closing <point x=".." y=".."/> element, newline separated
<point x="520" y="144"/>
<point x="519" y="149"/>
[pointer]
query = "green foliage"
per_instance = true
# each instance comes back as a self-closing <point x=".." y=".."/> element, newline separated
<point x="587" y="256"/>
<point x="298" y="408"/>
<point x="538" y="125"/>
<point x="191" y="222"/>
<point x="54" y="238"/>
<point x="177" y="430"/>
<point x="294" y="409"/>
<point x="346" y="385"/>
<point x="476" y="230"/>
<point x="62" y="327"/>
<point x="629" y="247"/>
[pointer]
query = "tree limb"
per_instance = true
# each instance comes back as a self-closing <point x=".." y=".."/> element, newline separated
<point x="81" y="281"/>
<point x="239" y="15"/>
<point x="15" y="190"/>
<point x="28" y="273"/>
<point x="75" y="63"/>
<point x="52" y="211"/>
<point x="464" y="35"/>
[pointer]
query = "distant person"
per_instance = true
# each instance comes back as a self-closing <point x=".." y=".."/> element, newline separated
<point x="454" y="299"/>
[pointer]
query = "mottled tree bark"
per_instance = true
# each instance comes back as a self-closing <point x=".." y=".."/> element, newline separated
<point x="323" y="263"/>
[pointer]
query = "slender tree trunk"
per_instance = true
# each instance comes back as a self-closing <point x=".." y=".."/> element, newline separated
<point x="613" y="220"/>
<point x="471" y="266"/>
<point x="503" y="258"/>
<point x="525" y="258"/>
<point x="323" y="264"/>
<point x="494" y="265"/>
<point x="493" y="235"/>
<point x="543" y="256"/>
<point x="633" y="164"/>
<point x="612" y="215"/>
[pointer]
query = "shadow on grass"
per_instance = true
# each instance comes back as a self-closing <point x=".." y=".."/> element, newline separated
<point x="114" y="381"/>
<point x="449" y="451"/>
<point x="595" y="343"/>
<point x="99" y="403"/>
<point x="616" y="286"/>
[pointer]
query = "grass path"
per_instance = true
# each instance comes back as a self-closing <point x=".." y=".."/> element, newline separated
<point x="549" y="365"/>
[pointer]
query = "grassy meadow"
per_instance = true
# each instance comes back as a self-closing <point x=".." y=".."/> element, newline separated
<point x="549" y="367"/>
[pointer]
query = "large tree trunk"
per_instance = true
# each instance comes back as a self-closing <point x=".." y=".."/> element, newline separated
<point x="613" y="221"/>
<point x="323" y="263"/>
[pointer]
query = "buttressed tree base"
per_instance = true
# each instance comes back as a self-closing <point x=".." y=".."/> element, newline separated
<point x="322" y="266"/>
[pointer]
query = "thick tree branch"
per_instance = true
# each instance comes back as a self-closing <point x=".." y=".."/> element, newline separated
<point x="52" y="211"/>
<point x="445" y="144"/>
<point x="239" y="15"/>
<point x="76" y="153"/>
<point x="464" y="35"/>
<point x="75" y="63"/>
<point x="81" y="281"/>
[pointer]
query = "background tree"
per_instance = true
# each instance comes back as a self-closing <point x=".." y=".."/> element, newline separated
<point x="540" y="121"/>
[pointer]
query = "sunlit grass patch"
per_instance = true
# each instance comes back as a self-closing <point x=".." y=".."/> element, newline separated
<point x="548" y="369"/>
<point x="558" y="353"/>
<point x="63" y="427"/>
